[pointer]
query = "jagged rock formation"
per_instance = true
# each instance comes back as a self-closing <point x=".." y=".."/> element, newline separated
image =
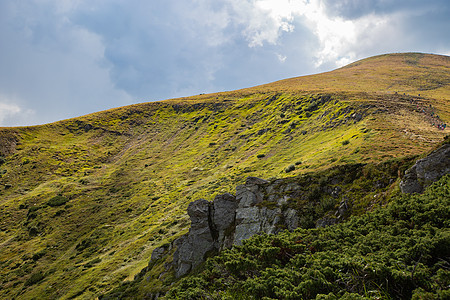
<point x="228" y="220"/>
<point x="208" y="232"/>
<point x="426" y="171"/>
<point x="259" y="206"/>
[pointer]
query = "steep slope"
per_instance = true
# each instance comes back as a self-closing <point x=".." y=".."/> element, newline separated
<point x="86" y="200"/>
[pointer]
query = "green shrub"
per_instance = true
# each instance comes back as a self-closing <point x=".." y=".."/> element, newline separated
<point x="290" y="168"/>
<point x="34" y="278"/>
<point x="57" y="201"/>
<point x="38" y="255"/>
<point x="260" y="155"/>
<point x="346" y="142"/>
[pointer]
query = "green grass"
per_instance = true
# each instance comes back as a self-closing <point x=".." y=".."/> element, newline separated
<point x="129" y="173"/>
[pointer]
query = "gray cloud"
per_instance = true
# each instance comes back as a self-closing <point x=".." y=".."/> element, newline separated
<point x="66" y="58"/>
<point x="50" y="66"/>
<point x="354" y="9"/>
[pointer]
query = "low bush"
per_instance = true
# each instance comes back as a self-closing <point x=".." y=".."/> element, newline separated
<point x="290" y="168"/>
<point x="57" y="201"/>
<point x="34" y="278"/>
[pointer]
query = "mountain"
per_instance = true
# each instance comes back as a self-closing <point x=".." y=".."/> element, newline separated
<point x="86" y="200"/>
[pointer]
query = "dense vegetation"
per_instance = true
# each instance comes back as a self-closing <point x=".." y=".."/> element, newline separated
<point x="397" y="252"/>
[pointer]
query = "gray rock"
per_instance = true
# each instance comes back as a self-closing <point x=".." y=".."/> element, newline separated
<point x="291" y="219"/>
<point x="198" y="211"/>
<point x="251" y="193"/>
<point x="247" y="224"/>
<point x="255" y="181"/>
<point x="210" y="223"/>
<point x="253" y="220"/>
<point x="247" y="215"/>
<point x="224" y="211"/>
<point x="158" y="253"/>
<point x="426" y="171"/>
<point x="224" y="216"/>
<point x="193" y="247"/>
<point x="269" y="219"/>
<point x="245" y="231"/>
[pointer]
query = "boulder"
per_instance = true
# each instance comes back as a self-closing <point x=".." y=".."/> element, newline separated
<point x="426" y="171"/>
<point x="259" y="206"/>
<point x="158" y="253"/>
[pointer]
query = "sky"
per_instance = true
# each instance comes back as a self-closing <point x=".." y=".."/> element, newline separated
<point x="66" y="58"/>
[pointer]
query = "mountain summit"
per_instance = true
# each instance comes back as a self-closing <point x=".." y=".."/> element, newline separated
<point x="84" y="201"/>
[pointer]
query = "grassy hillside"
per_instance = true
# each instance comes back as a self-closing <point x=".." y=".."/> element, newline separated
<point x="84" y="201"/>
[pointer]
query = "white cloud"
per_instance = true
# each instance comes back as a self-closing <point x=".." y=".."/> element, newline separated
<point x="9" y="111"/>
<point x="338" y="39"/>
<point x="266" y="20"/>
<point x="282" y="58"/>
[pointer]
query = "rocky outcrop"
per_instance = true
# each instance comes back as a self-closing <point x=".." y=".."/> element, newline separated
<point x="251" y="219"/>
<point x="426" y="171"/>
<point x="227" y="221"/>
<point x="259" y="206"/>
<point x="208" y="233"/>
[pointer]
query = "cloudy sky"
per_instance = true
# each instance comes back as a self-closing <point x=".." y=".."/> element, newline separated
<point x="66" y="58"/>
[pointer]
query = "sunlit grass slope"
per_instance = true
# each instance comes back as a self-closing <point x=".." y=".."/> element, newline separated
<point x="84" y="201"/>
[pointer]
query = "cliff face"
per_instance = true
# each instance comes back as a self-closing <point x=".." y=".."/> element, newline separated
<point x="224" y="222"/>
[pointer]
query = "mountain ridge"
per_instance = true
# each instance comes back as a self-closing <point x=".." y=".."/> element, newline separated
<point x="125" y="176"/>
